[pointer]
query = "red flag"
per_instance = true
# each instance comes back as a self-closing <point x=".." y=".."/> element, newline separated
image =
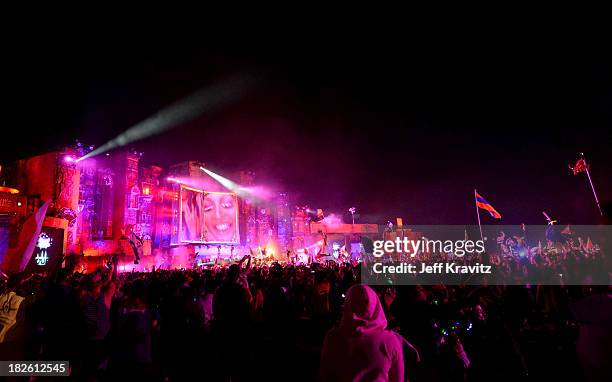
<point x="567" y="230"/>
<point x="580" y="166"/>
<point x="589" y="245"/>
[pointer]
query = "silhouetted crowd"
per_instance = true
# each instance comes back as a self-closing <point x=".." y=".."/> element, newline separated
<point x="247" y="322"/>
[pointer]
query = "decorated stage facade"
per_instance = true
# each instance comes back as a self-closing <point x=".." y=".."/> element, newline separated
<point x="179" y="216"/>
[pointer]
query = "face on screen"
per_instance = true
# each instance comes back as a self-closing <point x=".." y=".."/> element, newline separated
<point x="220" y="217"/>
<point x="191" y="215"/>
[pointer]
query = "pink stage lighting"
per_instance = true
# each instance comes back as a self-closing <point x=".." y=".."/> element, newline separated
<point x="187" y="181"/>
<point x="258" y="192"/>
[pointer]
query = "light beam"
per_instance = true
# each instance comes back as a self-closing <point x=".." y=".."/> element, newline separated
<point x="202" y="101"/>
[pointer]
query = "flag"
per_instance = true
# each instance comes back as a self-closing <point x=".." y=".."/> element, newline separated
<point x="580" y="166"/>
<point x="567" y="230"/>
<point x="16" y="259"/>
<point x="539" y="247"/>
<point x="589" y="245"/>
<point x="482" y="203"/>
<point x="136" y="243"/>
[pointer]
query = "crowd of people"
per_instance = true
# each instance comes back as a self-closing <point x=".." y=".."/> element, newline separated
<point x="561" y="260"/>
<point x="302" y="322"/>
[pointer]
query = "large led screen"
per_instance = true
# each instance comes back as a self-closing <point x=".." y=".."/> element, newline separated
<point x="208" y="217"/>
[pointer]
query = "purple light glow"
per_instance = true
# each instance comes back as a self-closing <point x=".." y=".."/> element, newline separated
<point x="332" y="220"/>
<point x="259" y="192"/>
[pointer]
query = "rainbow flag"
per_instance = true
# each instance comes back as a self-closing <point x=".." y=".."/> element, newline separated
<point x="482" y="203"/>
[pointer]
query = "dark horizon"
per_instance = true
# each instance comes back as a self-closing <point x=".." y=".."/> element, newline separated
<point x="394" y="133"/>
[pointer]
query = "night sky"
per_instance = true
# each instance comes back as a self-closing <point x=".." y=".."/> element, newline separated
<point x="395" y="127"/>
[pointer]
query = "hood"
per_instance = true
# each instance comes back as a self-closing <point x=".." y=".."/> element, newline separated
<point x="363" y="312"/>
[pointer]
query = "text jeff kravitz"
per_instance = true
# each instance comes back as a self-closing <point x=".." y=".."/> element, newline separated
<point x="435" y="268"/>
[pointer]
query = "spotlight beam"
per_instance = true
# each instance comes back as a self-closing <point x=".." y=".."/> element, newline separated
<point x="202" y="101"/>
<point x="232" y="186"/>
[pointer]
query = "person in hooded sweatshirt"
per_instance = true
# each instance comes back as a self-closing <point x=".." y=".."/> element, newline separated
<point x="360" y="348"/>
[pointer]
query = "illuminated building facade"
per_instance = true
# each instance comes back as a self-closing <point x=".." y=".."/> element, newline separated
<point x="96" y="202"/>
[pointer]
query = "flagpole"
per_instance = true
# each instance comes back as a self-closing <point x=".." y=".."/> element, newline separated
<point x="592" y="187"/>
<point x="478" y="215"/>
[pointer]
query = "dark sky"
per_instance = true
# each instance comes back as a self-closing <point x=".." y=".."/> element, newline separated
<point x="394" y="126"/>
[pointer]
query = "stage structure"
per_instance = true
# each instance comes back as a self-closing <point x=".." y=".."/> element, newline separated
<point x="180" y="214"/>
